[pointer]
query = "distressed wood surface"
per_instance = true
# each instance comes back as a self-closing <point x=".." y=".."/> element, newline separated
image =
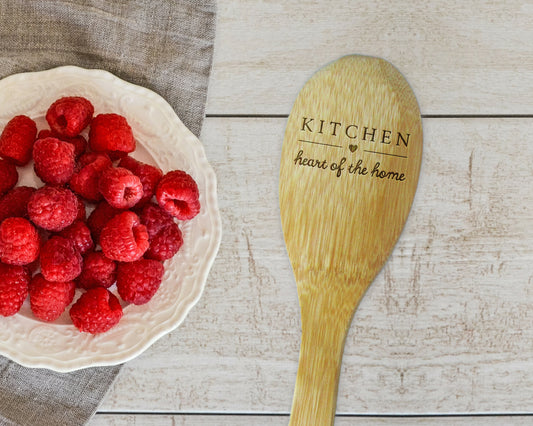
<point x="460" y="57"/>
<point x="444" y="328"/>
<point x="268" y="420"/>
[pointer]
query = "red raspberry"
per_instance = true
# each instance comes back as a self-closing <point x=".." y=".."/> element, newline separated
<point x="177" y="194"/>
<point x="82" y="214"/>
<point x="149" y="176"/>
<point x="16" y="141"/>
<point x="80" y="235"/>
<point x="14" y="281"/>
<point x="120" y="187"/>
<point x="99" y="217"/>
<point x="48" y="300"/>
<point x="68" y="116"/>
<point x="15" y="202"/>
<point x="54" y="160"/>
<point x="53" y="208"/>
<point x="138" y="281"/>
<point x="155" y="219"/>
<point x="124" y="238"/>
<point x="8" y="176"/>
<point x="96" y="311"/>
<point x="91" y="157"/>
<point x="110" y="133"/>
<point x="165" y="236"/>
<point x="79" y="142"/>
<point x="98" y="271"/>
<point x="85" y="181"/>
<point x="165" y="244"/>
<point x="19" y="241"/>
<point x="60" y="260"/>
<point x="46" y="133"/>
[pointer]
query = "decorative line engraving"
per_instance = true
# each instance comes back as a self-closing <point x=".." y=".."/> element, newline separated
<point x="386" y="153"/>
<point x="320" y="143"/>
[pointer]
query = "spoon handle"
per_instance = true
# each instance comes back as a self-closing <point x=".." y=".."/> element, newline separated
<point x="325" y="323"/>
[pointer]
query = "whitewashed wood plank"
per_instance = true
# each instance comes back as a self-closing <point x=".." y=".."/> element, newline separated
<point x="186" y="420"/>
<point x="472" y="57"/>
<point x="445" y="327"/>
<point x="264" y="420"/>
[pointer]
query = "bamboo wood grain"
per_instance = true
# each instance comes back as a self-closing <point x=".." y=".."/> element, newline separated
<point x="349" y="170"/>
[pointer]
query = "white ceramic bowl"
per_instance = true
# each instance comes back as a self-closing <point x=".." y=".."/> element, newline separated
<point x="162" y="139"/>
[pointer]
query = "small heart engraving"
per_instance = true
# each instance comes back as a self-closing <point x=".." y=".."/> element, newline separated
<point x="352" y="147"/>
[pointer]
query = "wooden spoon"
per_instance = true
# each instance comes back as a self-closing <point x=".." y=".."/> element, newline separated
<point x="349" y="170"/>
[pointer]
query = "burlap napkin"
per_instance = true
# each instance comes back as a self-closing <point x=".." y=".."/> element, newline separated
<point x="164" y="45"/>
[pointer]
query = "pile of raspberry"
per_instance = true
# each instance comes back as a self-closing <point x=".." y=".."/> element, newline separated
<point x="49" y="245"/>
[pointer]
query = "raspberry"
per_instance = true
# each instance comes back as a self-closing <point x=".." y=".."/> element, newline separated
<point x="155" y="219"/>
<point x="82" y="214"/>
<point x="19" y="241"/>
<point x="14" y="281"/>
<point x="85" y="181"/>
<point x="60" y="260"/>
<point x="149" y="176"/>
<point x="16" y="141"/>
<point x="165" y="244"/>
<point x="110" y="133"/>
<point x="177" y="194"/>
<point x="96" y="311"/>
<point x="46" y="133"/>
<point x="53" y="208"/>
<point x="48" y="300"/>
<point x="91" y="157"/>
<point x="15" y="202"/>
<point x="165" y="236"/>
<point x="124" y="238"/>
<point x="68" y="116"/>
<point x="80" y="235"/>
<point x="54" y="160"/>
<point x="120" y="187"/>
<point x="98" y="271"/>
<point x="138" y="281"/>
<point x="99" y="217"/>
<point x="79" y="142"/>
<point x="8" y="176"/>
